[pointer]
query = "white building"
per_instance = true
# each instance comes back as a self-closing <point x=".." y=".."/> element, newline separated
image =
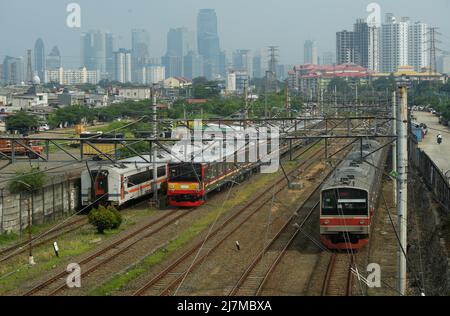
<point x="237" y="81"/>
<point x="122" y="66"/>
<point x="135" y="93"/>
<point x="73" y="77"/>
<point x="153" y="74"/>
<point x="418" y="46"/>
<point x="395" y="42"/>
<point x="25" y="102"/>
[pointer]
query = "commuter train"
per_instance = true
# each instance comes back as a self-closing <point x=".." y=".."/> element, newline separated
<point x="189" y="183"/>
<point x="349" y="196"/>
<point x="128" y="180"/>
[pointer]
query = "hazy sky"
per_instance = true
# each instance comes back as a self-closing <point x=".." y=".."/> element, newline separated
<point x="248" y="24"/>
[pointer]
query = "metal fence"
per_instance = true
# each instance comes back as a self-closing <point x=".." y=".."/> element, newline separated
<point x="436" y="181"/>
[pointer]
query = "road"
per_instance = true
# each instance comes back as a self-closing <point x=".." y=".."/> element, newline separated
<point x="440" y="154"/>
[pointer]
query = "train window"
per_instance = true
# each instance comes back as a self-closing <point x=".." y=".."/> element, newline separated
<point x="161" y="172"/>
<point x="140" y="178"/>
<point x="186" y="172"/>
<point x="347" y="202"/>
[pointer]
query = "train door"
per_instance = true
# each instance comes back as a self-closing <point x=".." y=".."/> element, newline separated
<point x="100" y="187"/>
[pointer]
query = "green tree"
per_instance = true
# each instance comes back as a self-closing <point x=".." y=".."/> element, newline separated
<point x="204" y="89"/>
<point x="27" y="180"/>
<point x="105" y="218"/>
<point x="22" y="122"/>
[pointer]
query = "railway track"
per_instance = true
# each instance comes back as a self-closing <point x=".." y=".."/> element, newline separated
<point x="19" y="248"/>
<point x="338" y="279"/>
<point x="57" y="283"/>
<point x="166" y="281"/>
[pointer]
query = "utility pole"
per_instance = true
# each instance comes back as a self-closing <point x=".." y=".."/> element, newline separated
<point x="402" y="186"/>
<point x="30" y="223"/>
<point x="394" y="144"/>
<point x="155" y="151"/>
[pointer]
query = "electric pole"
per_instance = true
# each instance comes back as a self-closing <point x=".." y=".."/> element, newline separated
<point x="402" y="187"/>
<point x="394" y="144"/>
<point x="155" y="151"/>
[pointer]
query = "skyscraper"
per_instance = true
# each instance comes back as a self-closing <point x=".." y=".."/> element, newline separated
<point x="122" y="66"/>
<point x="208" y="41"/>
<point x="54" y="59"/>
<point x="97" y="53"/>
<point x="193" y="65"/>
<point x="39" y="59"/>
<point x="367" y="45"/>
<point x="257" y="65"/>
<point x="310" y="53"/>
<point x="418" y="50"/>
<point x="140" y="49"/>
<point x="178" y="45"/>
<point x="327" y="58"/>
<point x="243" y="62"/>
<point x="394" y="44"/>
<point x="13" y="70"/>
<point x="345" y="47"/>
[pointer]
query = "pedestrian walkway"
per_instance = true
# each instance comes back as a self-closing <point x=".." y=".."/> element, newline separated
<point x="440" y="154"/>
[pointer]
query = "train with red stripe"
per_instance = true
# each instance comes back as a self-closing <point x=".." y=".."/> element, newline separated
<point x="349" y="197"/>
<point x="189" y="183"/>
<point x="127" y="180"/>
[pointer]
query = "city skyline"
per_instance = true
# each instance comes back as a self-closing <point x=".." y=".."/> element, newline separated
<point x="253" y="35"/>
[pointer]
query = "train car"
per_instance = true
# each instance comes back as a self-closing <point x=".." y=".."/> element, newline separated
<point x="189" y="183"/>
<point x="130" y="179"/>
<point x="348" y="199"/>
<point x="102" y="144"/>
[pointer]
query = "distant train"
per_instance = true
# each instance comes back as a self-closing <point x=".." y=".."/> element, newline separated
<point x="130" y="179"/>
<point x="189" y="183"/>
<point x="349" y="197"/>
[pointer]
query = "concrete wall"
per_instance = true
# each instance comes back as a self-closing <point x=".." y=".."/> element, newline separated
<point x="57" y="199"/>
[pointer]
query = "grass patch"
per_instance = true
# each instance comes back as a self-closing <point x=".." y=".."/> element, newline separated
<point x="16" y="271"/>
<point x="7" y="238"/>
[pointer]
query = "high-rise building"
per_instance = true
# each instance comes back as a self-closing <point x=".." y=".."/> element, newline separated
<point x="345" y="47"/>
<point x="367" y="45"/>
<point x="153" y="74"/>
<point x="394" y="44"/>
<point x="140" y="51"/>
<point x="193" y="65"/>
<point x="328" y="58"/>
<point x="310" y="53"/>
<point x="54" y="59"/>
<point x="443" y="64"/>
<point x="73" y="77"/>
<point x="173" y="65"/>
<point x="97" y="53"/>
<point x="39" y="59"/>
<point x="178" y="45"/>
<point x="13" y="70"/>
<point x="208" y="42"/>
<point x="122" y="66"/>
<point x="243" y="61"/>
<point x="418" y="50"/>
<point x="257" y="66"/>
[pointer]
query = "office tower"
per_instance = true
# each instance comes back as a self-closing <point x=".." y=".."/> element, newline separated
<point x="418" y="50"/>
<point x="395" y="44"/>
<point x="54" y="59"/>
<point x="97" y="53"/>
<point x="13" y="70"/>
<point x="153" y="74"/>
<point x="345" y="47"/>
<point x="193" y="65"/>
<point x="310" y="53"/>
<point x="243" y="61"/>
<point x="443" y="64"/>
<point x="122" y="66"/>
<point x="140" y="51"/>
<point x="327" y="58"/>
<point x="178" y="45"/>
<point x="208" y="42"/>
<point x="39" y="59"/>
<point x="367" y="45"/>
<point x="257" y="65"/>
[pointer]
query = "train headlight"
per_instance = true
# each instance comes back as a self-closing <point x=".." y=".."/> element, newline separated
<point x="362" y="222"/>
<point x="327" y="222"/>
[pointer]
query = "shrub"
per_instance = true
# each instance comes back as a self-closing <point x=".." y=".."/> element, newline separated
<point x="105" y="218"/>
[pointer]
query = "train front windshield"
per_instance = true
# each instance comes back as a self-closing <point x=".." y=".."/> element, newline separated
<point x="345" y="202"/>
<point x="186" y="172"/>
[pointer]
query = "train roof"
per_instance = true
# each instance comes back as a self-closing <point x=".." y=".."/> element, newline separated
<point x="354" y="173"/>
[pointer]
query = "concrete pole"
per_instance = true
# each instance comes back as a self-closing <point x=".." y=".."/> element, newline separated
<point x="30" y="223"/>
<point x="402" y="204"/>
<point x="155" y="150"/>
<point x="394" y="144"/>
